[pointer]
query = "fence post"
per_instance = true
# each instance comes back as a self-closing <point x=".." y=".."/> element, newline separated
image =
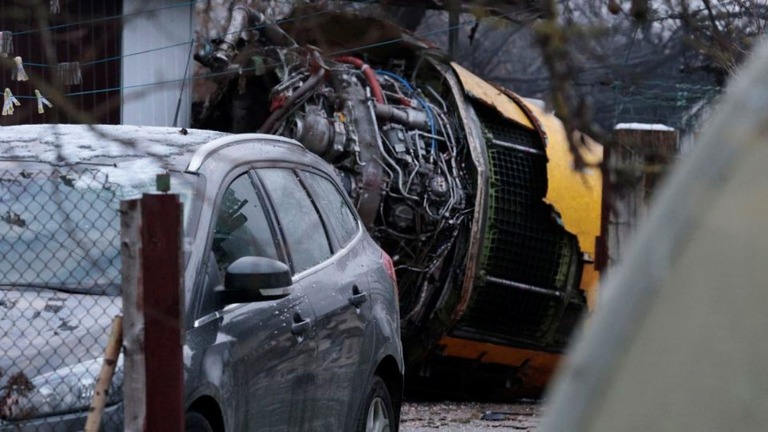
<point x="152" y="301"/>
<point x="635" y="165"/>
<point x="133" y="316"/>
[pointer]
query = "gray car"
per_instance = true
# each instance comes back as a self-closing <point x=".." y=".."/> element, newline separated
<point x="315" y="347"/>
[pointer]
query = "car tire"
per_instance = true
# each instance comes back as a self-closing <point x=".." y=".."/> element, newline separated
<point x="196" y="422"/>
<point x="377" y="413"/>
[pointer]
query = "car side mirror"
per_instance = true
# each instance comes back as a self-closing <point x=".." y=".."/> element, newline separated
<point x="252" y="278"/>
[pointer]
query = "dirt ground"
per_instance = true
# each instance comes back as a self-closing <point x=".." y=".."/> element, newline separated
<point x="469" y="416"/>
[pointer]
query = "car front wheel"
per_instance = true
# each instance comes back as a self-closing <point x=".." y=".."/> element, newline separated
<point x="377" y="413"/>
<point x="196" y="422"/>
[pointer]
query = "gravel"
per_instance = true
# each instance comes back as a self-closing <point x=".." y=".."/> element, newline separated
<point x="470" y="416"/>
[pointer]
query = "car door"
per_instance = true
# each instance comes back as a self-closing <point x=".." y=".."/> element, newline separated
<point x="261" y="355"/>
<point x="345" y="338"/>
<point x="338" y="291"/>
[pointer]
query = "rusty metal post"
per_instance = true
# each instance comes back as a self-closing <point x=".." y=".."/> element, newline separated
<point x="152" y="289"/>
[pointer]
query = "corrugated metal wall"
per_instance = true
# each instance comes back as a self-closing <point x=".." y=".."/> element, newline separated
<point x="156" y="50"/>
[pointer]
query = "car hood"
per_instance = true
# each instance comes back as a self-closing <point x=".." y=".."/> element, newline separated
<point x="44" y="330"/>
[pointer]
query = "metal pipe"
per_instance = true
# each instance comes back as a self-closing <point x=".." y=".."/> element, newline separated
<point x="524" y="287"/>
<point x="517" y="147"/>
<point x="402" y="115"/>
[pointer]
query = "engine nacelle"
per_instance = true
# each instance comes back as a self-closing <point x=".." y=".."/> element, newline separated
<point x="449" y="175"/>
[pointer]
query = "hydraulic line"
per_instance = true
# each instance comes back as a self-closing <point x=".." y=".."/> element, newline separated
<point x="421" y="101"/>
<point x="392" y="162"/>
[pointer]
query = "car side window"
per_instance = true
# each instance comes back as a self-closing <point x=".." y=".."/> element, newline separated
<point x="341" y="219"/>
<point x="242" y="227"/>
<point x="303" y="230"/>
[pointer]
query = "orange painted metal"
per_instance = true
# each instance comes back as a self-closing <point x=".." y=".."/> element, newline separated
<point x="537" y="366"/>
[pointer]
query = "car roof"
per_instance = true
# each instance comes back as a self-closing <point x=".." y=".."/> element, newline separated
<point x="102" y="144"/>
<point x="166" y="147"/>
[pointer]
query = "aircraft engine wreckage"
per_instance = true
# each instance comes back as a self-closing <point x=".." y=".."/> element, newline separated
<point x="448" y="173"/>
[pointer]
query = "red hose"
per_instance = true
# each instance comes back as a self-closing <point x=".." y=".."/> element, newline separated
<point x="370" y="75"/>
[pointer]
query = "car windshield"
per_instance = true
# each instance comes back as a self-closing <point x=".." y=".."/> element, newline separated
<point x="60" y="227"/>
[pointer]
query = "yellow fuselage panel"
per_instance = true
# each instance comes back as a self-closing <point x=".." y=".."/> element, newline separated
<point x="577" y="195"/>
<point x="491" y="96"/>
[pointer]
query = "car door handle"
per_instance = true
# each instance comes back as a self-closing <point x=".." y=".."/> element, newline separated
<point x="358" y="297"/>
<point x="299" y="326"/>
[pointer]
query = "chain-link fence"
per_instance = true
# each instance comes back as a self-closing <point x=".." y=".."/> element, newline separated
<point x="59" y="292"/>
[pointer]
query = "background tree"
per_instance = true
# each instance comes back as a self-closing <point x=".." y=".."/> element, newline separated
<point x="602" y="63"/>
